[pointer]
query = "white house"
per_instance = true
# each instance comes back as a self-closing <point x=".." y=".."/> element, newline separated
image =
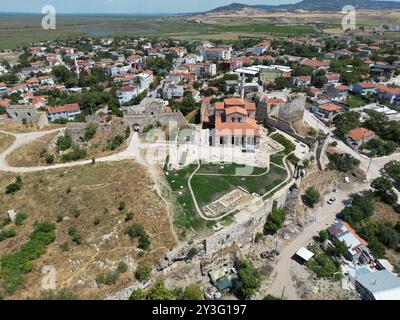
<point x="69" y="112"/>
<point x="126" y="94"/>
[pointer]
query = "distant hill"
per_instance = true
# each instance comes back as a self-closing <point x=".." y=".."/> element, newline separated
<point x="312" y="5"/>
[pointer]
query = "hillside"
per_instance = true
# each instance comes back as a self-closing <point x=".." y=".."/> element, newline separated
<point x="310" y="5"/>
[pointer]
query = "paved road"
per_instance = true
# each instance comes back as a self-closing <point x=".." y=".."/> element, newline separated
<point x="325" y="216"/>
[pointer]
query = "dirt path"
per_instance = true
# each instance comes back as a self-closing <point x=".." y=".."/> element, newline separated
<point x="325" y="216"/>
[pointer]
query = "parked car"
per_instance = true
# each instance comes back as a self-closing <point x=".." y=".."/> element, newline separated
<point x="332" y="200"/>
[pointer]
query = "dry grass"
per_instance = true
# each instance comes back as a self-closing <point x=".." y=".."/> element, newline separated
<point x="31" y="154"/>
<point x="96" y="191"/>
<point x="98" y="146"/>
<point x="302" y="128"/>
<point x="385" y="213"/>
<point x="14" y="127"/>
<point x="6" y="141"/>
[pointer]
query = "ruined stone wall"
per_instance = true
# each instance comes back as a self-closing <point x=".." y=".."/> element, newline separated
<point x="145" y="120"/>
<point x="293" y="111"/>
<point x="23" y="113"/>
<point x="245" y="231"/>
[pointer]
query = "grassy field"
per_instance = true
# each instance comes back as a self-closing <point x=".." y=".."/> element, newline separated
<point x="18" y="31"/>
<point x="31" y="154"/>
<point x="77" y="197"/>
<point x="210" y="188"/>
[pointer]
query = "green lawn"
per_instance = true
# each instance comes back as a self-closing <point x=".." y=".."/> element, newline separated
<point x="356" y="101"/>
<point x="210" y="188"/>
<point x="230" y="169"/>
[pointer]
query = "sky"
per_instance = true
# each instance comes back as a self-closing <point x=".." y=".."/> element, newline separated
<point x="125" y="6"/>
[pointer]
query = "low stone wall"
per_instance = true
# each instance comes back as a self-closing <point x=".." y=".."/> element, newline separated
<point x="287" y="128"/>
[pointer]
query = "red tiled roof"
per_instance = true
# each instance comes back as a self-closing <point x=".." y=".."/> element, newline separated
<point x="366" y="85"/>
<point x="315" y="63"/>
<point x="360" y="133"/>
<point x="232" y="110"/>
<point x="66" y="108"/>
<point x="331" y="107"/>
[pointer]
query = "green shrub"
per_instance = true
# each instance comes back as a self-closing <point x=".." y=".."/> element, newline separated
<point x="275" y="221"/>
<point x="143" y="272"/>
<point x="20" y="218"/>
<point x="116" y="142"/>
<point x="15" y="186"/>
<point x="75" y="155"/>
<point x="64" y="143"/>
<point x="7" y="234"/>
<point x="15" y="266"/>
<point x="90" y="131"/>
<point x="137" y="231"/>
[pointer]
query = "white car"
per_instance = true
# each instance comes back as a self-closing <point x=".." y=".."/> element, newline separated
<point x="331" y="200"/>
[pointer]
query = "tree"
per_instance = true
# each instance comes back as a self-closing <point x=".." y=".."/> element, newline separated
<point x="274" y="221"/>
<point x="90" y="131"/>
<point x="249" y="278"/>
<point x="143" y="272"/>
<point x="392" y="168"/>
<point x="160" y="292"/>
<point x="342" y="162"/>
<point x="193" y="292"/>
<point x="323" y="235"/>
<point x="384" y="189"/>
<point x="137" y="294"/>
<point x="311" y="197"/>
<point x="345" y="122"/>
<point x="388" y="235"/>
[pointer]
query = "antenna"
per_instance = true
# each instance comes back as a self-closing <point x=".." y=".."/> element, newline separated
<point x="77" y="68"/>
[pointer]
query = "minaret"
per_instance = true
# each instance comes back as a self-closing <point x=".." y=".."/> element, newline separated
<point x="77" y="68"/>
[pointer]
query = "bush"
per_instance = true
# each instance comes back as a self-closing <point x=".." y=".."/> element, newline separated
<point x="311" y="197"/>
<point x="275" y="221"/>
<point x="16" y="265"/>
<point x="7" y="234"/>
<point x="342" y="162"/>
<point x="143" y="272"/>
<point x="77" y="213"/>
<point x="15" y="186"/>
<point x="20" y="218"/>
<point x="193" y="292"/>
<point x="111" y="277"/>
<point x="75" y="235"/>
<point x="129" y="217"/>
<point x="323" y="235"/>
<point x="90" y="131"/>
<point x="117" y="141"/>
<point x="122" y="206"/>
<point x="249" y="278"/>
<point x="137" y="231"/>
<point x="74" y="155"/>
<point x="64" y="143"/>
<point x="64" y="247"/>
<point x="49" y="158"/>
<point x="259" y="236"/>
<point x="323" y="265"/>
<point x="96" y="221"/>
<point x="137" y="294"/>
